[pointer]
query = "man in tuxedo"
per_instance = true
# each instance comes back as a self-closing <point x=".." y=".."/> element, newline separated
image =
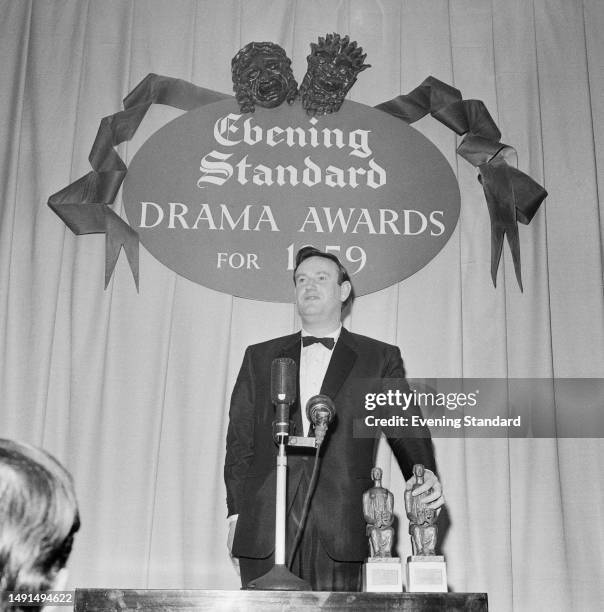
<point x="331" y="361"/>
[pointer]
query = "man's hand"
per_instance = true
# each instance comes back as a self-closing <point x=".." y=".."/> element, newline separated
<point x="435" y="498"/>
<point x="234" y="560"/>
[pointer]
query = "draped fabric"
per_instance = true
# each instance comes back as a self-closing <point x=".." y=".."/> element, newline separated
<point x="130" y="390"/>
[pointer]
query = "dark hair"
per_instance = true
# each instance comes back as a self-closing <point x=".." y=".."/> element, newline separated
<point x="309" y="251"/>
<point x="38" y="517"/>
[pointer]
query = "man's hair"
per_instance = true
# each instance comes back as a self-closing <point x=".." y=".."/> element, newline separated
<point x="38" y="517"/>
<point x="309" y="251"/>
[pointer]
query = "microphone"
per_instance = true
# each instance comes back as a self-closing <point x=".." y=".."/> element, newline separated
<point x="320" y="411"/>
<point x="283" y="394"/>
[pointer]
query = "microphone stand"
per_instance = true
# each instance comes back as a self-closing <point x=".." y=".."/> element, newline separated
<point x="279" y="578"/>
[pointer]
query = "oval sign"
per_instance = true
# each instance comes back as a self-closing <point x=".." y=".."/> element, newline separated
<point x="226" y="200"/>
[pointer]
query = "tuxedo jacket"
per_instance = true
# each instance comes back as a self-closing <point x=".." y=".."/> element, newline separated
<point x="358" y="365"/>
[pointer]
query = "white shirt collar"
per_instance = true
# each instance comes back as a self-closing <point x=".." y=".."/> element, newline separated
<point x="334" y="334"/>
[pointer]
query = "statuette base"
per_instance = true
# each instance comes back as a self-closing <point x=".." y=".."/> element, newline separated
<point x="383" y="575"/>
<point x="426" y="574"/>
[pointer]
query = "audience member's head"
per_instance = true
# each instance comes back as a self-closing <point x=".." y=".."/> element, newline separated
<point x="38" y="518"/>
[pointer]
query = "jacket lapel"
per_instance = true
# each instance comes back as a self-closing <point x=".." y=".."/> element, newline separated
<point x="341" y="363"/>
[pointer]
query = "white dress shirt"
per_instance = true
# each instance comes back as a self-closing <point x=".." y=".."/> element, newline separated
<point x="314" y="360"/>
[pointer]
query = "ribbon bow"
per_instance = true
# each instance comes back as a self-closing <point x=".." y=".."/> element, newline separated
<point x="511" y="194"/>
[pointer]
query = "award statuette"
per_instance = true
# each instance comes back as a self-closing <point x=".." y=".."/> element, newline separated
<point x="426" y="571"/>
<point x="381" y="572"/>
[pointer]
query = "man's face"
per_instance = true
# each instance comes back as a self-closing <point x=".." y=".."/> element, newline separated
<point x="318" y="296"/>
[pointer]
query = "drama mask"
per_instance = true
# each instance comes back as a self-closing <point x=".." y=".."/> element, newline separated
<point x="262" y="75"/>
<point x="333" y="66"/>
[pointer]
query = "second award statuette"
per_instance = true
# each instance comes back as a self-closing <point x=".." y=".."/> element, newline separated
<point x="426" y="571"/>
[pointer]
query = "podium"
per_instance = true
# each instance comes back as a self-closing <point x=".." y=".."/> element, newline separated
<point x="120" y="600"/>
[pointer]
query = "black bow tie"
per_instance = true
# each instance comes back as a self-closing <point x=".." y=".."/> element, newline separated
<point x="328" y="343"/>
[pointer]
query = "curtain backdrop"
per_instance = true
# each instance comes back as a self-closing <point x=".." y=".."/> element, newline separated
<point x="130" y="390"/>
